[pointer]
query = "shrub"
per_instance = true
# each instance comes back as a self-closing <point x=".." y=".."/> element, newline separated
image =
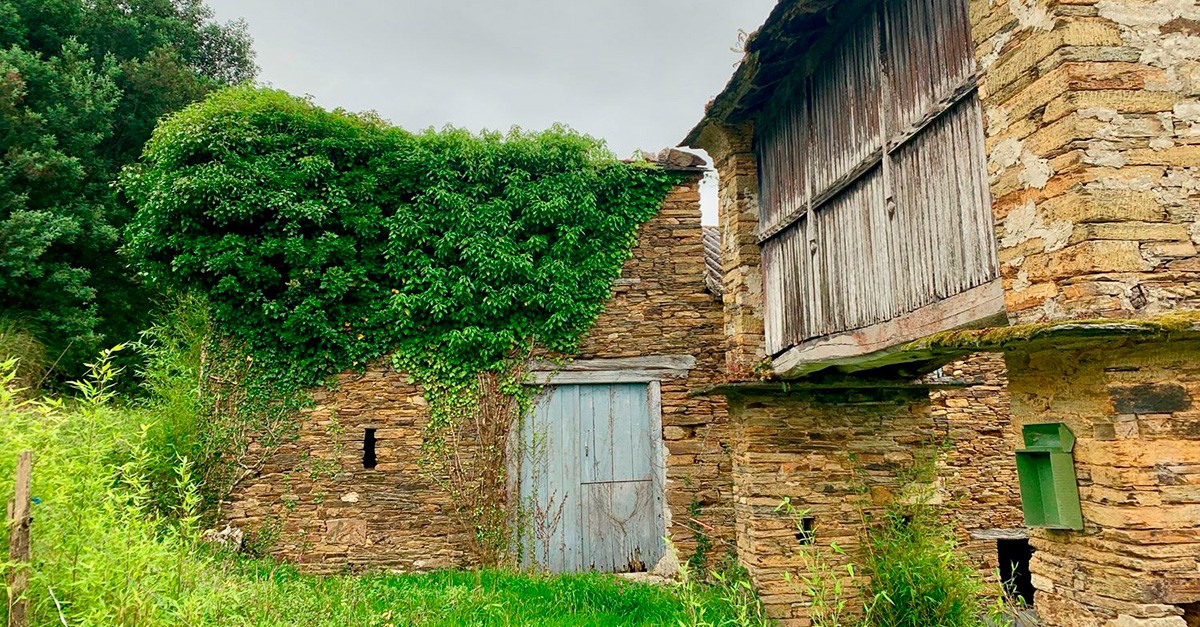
<point x="325" y="240"/>
<point x="919" y="578"/>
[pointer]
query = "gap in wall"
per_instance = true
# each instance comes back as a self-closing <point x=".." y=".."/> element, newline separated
<point x="369" y="459"/>
<point x="1191" y="614"/>
<point x="1014" y="568"/>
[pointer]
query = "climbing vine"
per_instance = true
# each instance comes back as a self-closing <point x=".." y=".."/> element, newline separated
<point x="325" y="240"/>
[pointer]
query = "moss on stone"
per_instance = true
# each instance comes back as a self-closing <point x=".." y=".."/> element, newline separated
<point x="999" y="338"/>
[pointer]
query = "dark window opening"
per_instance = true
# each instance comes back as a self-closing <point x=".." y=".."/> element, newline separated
<point x="1191" y="614"/>
<point x="804" y="531"/>
<point x="369" y="449"/>
<point x="1014" y="569"/>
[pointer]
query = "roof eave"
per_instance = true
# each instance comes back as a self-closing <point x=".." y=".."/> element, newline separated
<point x="772" y="54"/>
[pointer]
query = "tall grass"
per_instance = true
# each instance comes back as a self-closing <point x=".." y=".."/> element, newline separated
<point x="919" y="577"/>
<point x="99" y="551"/>
<point x="180" y="419"/>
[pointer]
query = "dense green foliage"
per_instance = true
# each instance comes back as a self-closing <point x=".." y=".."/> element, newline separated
<point x="82" y="84"/>
<point x="104" y="550"/>
<point x="324" y="240"/>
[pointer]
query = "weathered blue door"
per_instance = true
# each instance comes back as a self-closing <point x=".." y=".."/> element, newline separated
<point x="590" y="486"/>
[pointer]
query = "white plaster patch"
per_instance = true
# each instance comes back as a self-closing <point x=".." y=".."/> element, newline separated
<point x="1036" y="172"/>
<point x="1021" y="283"/>
<point x="1104" y="114"/>
<point x="1031" y="14"/>
<point x="1195" y="231"/>
<point x="998" y="42"/>
<point x="1188" y="111"/>
<point x="997" y="120"/>
<point x="1104" y="158"/>
<point x="1145" y="15"/>
<point x="1142" y="183"/>
<point x="1161" y="143"/>
<point x="350" y="497"/>
<point x="1170" y="50"/>
<point x="1025" y="223"/>
<point x="1005" y="155"/>
<point x="1140" y="24"/>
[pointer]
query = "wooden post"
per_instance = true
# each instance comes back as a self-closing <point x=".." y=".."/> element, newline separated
<point x="19" y="520"/>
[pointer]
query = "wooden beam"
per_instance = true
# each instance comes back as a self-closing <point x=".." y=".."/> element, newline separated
<point x="999" y="534"/>
<point x="616" y="370"/>
<point x="881" y="344"/>
<point x="937" y="110"/>
<point x="19" y="520"/>
<point x="784" y="388"/>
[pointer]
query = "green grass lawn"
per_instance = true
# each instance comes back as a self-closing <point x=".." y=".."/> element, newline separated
<point x="278" y="595"/>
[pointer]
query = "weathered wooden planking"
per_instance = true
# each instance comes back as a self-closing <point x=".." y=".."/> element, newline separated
<point x="622" y="526"/>
<point x="595" y="473"/>
<point x="929" y="56"/>
<point x="844" y="95"/>
<point x="895" y="214"/>
<point x="615" y="370"/>
<point x="550" y="489"/>
<point x="945" y="239"/>
<point x="871" y="347"/>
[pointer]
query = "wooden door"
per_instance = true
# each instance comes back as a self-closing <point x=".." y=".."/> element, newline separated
<point x="590" y="483"/>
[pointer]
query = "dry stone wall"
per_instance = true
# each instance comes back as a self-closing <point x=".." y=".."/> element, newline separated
<point x="836" y="456"/>
<point x="839" y="455"/>
<point x="1135" y="411"/>
<point x="1093" y="140"/>
<point x="328" y="513"/>
<point x="741" y="256"/>
<point x="977" y="470"/>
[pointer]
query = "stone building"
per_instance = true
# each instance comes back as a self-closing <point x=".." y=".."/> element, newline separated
<point x="1004" y="192"/>
<point x="348" y="492"/>
<point x="951" y="231"/>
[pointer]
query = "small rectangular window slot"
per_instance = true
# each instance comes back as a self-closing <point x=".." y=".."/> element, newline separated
<point x="369" y="460"/>
<point x="804" y="531"/>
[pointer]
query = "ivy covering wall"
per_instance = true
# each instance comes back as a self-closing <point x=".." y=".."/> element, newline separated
<point x="324" y="240"/>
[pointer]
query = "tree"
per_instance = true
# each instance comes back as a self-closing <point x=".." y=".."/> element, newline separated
<point x="82" y="85"/>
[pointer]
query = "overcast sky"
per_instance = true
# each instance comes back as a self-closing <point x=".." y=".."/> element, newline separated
<point x="636" y="73"/>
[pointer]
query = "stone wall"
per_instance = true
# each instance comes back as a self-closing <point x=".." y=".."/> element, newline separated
<point x="836" y="456"/>
<point x="977" y="471"/>
<point x="1093" y="141"/>
<point x="1135" y="411"/>
<point x="741" y="256"/>
<point x="330" y="513"/>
